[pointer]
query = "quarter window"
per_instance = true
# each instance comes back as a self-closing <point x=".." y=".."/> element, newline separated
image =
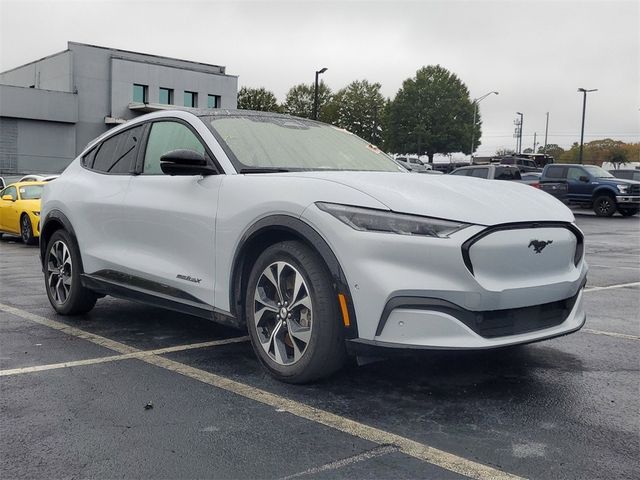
<point x="213" y="101"/>
<point x="166" y="96"/>
<point x="165" y="137"/>
<point x="140" y="93"/>
<point x="190" y="99"/>
<point x="117" y="154"/>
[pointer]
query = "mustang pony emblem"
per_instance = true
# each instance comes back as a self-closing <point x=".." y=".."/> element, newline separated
<point x="538" y="245"/>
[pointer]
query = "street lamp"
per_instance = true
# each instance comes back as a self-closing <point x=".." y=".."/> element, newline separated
<point x="520" y="133"/>
<point x="475" y="112"/>
<point x="315" y="93"/>
<point x="584" y="108"/>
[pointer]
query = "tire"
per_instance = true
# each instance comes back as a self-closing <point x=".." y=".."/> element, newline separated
<point x="309" y="344"/>
<point x="628" y="212"/>
<point x="26" y="230"/>
<point x="604" y="206"/>
<point x="62" y="276"/>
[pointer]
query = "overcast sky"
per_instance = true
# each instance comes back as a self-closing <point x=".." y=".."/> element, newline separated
<point x="535" y="53"/>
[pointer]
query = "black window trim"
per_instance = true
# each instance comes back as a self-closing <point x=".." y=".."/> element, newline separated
<point x="94" y="150"/>
<point x="139" y="164"/>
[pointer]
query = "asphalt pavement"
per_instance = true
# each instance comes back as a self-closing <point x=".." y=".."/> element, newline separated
<point x="132" y="391"/>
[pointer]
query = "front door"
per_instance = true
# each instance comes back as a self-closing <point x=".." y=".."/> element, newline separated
<point x="9" y="219"/>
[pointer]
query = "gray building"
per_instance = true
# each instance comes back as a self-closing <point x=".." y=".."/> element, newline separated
<point x="52" y="107"/>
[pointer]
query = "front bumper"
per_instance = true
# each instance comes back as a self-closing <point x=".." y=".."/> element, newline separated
<point x="628" y="199"/>
<point x="442" y="325"/>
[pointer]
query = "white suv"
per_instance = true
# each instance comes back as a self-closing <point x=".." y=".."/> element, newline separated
<point x="309" y="237"/>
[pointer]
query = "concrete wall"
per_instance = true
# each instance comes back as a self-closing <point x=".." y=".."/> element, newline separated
<point x="35" y="104"/>
<point x="49" y="73"/>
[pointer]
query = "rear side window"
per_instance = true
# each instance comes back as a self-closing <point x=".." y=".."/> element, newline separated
<point x="507" y="174"/>
<point x="507" y="161"/>
<point x="556" y="172"/>
<point x="480" y="172"/>
<point x="117" y="154"/>
<point x="165" y="137"/>
<point x="463" y="172"/>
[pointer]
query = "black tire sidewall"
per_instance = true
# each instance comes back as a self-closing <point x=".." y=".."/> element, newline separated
<point x="29" y="239"/>
<point x="610" y="211"/>
<point x="324" y="353"/>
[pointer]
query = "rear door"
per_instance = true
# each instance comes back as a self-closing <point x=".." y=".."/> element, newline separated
<point x="97" y="214"/>
<point x="170" y="220"/>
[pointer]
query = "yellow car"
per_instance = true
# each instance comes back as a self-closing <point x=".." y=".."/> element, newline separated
<point x="20" y="210"/>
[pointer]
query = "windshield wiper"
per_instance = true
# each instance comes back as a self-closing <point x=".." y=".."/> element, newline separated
<point x="263" y="170"/>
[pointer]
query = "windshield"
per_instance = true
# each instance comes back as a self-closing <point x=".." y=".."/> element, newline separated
<point x="31" y="192"/>
<point x="597" y="172"/>
<point x="264" y="142"/>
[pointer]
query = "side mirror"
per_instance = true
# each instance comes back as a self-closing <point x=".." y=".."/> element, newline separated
<point x="584" y="179"/>
<point x="9" y="198"/>
<point x="185" y="162"/>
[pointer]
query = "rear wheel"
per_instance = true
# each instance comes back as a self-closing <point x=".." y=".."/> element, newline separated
<point x="604" y="206"/>
<point x="292" y="314"/>
<point x="62" y="276"/>
<point x="26" y="230"/>
<point x="628" y="212"/>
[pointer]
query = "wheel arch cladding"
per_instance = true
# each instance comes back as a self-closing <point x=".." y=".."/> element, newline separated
<point x="604" y="190"/>
<point x="277" y="228"/>
<point x="56" y="220"/>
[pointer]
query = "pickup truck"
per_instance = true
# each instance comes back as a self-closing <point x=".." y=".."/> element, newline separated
<point x="593" y="187"/>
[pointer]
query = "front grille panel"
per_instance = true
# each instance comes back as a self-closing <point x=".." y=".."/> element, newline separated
<point x="634" y="190"/>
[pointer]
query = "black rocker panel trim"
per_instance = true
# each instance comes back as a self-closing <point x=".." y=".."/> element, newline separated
<point x="299" y="228"/>
<point x="466" y="246"/>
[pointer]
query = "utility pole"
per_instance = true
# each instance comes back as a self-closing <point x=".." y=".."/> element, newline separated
<point x="315" y="93"/>
<point x="520" y="133"/>
<point x="546" y="132"/>
<point x="473" y="126"/>
<point x="584" y="108"/>
<point x="535" y="134"/>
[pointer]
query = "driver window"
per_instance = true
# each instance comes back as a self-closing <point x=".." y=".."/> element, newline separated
<point x="165" y="137"/>
<point x="10" y="191"/>
<point x="575" y="173"/>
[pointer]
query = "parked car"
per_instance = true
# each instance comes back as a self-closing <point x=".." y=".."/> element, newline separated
<point x="628" y="174"/>
<point x="20" y="210"/>
<point x="490" y="172"/>
<point x="523" y="164"/>
<point x="413" y="164"/>
<point x="2" y="184"/>
<point x="32" y="178"/>
<point x="308" y="238"/>
<point x="593" y="187"/>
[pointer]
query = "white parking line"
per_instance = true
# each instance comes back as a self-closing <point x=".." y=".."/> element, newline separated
<point x="612" y="334"/>
<point x="610" y="287"/>
<point x="405" y="445"/>
<point x="126" y="356"/>
<point x="375" y="452"/>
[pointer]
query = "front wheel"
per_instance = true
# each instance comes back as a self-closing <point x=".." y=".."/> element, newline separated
<point x="604" y="206"/>
<point x="628" y="212"/>
<point x="292" y="314"/>
<point x="66" y="293"/>
<point x="26" y="230"/>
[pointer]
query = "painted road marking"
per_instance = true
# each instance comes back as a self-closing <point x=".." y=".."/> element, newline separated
<point x="610" y="287"/>
<point x="611" y="334"/>
<point x="126" y="356"/>
<point x="405" y="445"/>
<point x="375" y="452"/>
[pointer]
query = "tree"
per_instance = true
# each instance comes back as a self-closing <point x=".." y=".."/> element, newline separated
<point x="528" y="150"/>
<point x="553" y="150"/>
<point x="299" y="101"/>
<point x="432" y="113"/>
<point x="617" y="156"/>
<point x="257" y="99"/>
<point x="505" y="151"/>
<point x="359" y="108"/>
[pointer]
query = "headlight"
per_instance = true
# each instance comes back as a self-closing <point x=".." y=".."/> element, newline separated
<point x="623" y="188"/>
<point x="371" y="220"/>
<point x="37" y="214"/>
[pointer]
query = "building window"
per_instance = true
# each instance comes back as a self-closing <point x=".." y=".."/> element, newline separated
<point x="166" y="96"/>
<point x="190" y="99"/>
<point x="213" y="101"/>
<point x="140" y="93"/>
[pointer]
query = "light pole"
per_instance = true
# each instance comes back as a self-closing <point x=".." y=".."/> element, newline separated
<point x="546" y="132"/>
<point x="475" y="112"/>
<point x="584" y="108"/>
<point x="315" y="93"/>
<point x="520" y="133"/>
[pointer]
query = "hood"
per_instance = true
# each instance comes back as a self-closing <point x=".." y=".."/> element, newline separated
<point x="619" y="181"/>
<point x="469" y="200"/>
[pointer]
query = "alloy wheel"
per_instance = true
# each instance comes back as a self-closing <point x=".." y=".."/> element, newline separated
<point x="59" y="271"/>
<point x="283" y="313"/>
<point x="605" y="206"/>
